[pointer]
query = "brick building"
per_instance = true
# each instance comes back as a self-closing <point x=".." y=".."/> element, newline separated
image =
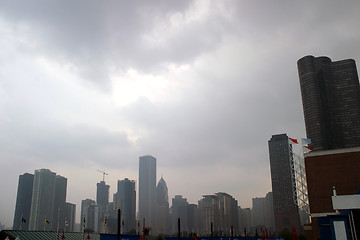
<point x="327" y="169"/>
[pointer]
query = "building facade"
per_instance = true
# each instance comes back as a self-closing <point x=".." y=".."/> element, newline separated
<point x="331" y="102"/>
<point x="147" y="190"/>
<point x="263" y="213"/>
<point x="244" y="221"/>
<point x="70" y="217"/>
<point x="85" y="217"/>
<point x="102" y="193"/>
<point x="23" y="202"/>
<point x="228" y="214"/>
<point x="325" y="170"/>
<point x="126" y="197"/>
<point x="162" y="205"/>
<point x="286" y="212"/>
<point x="179" y="210"/>
<point x="208" y="214"/>
<point x="48" y="201"/>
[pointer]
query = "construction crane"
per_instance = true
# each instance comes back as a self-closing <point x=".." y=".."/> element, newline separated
<point x="104" y="173"/>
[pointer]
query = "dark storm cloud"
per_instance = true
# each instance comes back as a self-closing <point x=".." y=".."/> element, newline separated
<point x="96" y="37"/>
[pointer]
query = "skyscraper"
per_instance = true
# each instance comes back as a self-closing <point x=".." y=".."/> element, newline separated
<point x="59" y="213"/>
<point x="162" y="205"/>
<point x="85" y="216"/>
<point x="263" y="212"/>
<point x="147" y="189"/>
<point x="126" y="194"/>
<point x="285" y="210"/>
<point x="179" y="209"/>
<point x="102" y="194"/>
<point x="331" y="102"/>
<point x="48" y="201"/>
<point x="208" y="213"/>
<point x="23" y="202"/>
<point x="70" y="217"/>
<point x="228" y="213"/>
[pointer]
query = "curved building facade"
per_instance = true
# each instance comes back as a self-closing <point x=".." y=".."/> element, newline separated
<point x="331" y="102"/>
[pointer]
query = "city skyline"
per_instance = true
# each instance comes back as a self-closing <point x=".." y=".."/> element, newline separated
<point x="200" y="85"/>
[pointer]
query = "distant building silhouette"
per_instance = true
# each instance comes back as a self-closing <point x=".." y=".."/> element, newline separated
<point x="193" y="218"/>
<point x="221" y="210"/>
<point x="228" y="213"/>
<point x="285" y="210"/>
<point x="23" y="202"/>
<point x="179" y="209"/>
<point x="48" y="201"/>
<point x="331" y="102"/>
<point x="126" y="194"/>
<point x="263" y="213"/>
<point x="102" y="202"/>
<point x="147" y="190"/>
<point x="102" y="194"/>
<point x="85" y="218"/>
<point x="70" y="217"/>
<point x="162" y="205"/>
<point x="244" y="221"/>
<point x="59" y="214"/>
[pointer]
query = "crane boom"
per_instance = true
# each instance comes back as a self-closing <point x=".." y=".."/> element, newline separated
<point x="104" y="173"/>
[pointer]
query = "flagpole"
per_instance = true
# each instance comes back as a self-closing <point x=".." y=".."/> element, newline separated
<point x="58" y="223"/>
<point x="21" y="219"/>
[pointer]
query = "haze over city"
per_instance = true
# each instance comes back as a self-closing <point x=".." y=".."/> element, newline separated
<point x="200" y="85"/>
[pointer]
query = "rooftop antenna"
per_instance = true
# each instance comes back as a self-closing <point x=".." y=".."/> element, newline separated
<point x="104" y="173"/>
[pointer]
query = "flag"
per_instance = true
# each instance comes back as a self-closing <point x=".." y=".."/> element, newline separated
<point x="262" y="234"/>
<point x="294" y="234"/>
<point x="310" y="148"/>
<point x="105" y="220"/>
<point x="47" y="221"/>
<point x="293" y="141"/>
<point x="267" y="234"/>
<point x="306" y="140"/>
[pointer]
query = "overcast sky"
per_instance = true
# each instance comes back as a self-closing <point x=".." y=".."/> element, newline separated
<point x="200" y="85"/>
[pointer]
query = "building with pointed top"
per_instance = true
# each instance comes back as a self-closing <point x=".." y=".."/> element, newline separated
<point x="162" y="206"/>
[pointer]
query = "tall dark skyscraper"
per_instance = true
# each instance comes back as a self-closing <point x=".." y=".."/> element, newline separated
<point x="48" y="200"/>
<point x="23" y="202"/>
<point x="147" y="189"/>
<point x="286" y="212"/>
<point x="127" y="195"/>
<point x="102" y="194"/>
<point x="331" y="102"/>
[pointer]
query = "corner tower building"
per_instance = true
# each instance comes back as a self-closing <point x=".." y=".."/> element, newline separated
<point x="286" y="212"/>
<point x="331" y="102"/>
